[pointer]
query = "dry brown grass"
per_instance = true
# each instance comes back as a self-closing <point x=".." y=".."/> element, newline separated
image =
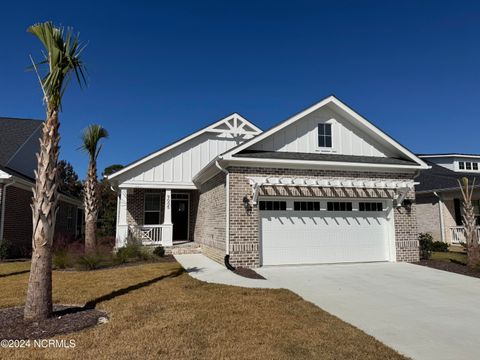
<point x="159" y="312"/>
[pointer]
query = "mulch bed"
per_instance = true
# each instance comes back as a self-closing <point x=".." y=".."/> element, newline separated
<point x="248" y="273"/>
<point x="66" y="319"/>
<point x="450" y="266"/>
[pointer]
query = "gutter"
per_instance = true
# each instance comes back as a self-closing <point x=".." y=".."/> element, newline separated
<point x="227" y="215"/>
<point x="440" y="211"/>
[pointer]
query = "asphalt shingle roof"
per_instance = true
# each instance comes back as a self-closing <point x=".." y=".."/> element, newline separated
<point x="13" y="134"/>
<point x="441" y="178"/>
<point x="323" y="157"/>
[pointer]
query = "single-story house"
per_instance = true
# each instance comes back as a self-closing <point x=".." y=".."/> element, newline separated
<point x="439" y="199"/>
<point x="19" y="143"/>
<point x="323" y="186"/>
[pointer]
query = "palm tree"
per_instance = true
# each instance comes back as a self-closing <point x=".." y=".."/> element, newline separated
<point x="62" y="59"/>
<point x="470" y="223"/>
<point x="90" y="138"/>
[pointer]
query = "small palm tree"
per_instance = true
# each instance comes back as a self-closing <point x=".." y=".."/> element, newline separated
<point x="62" y="59"/>
<point x="470" y="223"/>
<point x="90" y="144"/>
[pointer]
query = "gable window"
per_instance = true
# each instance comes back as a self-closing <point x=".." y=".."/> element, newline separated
<point x="273" y="205"/>
<point x="339" y="206"/>
<point x="152" y="209"/>
<point x="325" y="135"/>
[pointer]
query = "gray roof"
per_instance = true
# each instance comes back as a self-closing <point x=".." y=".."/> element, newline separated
<point x="13" y="134"/>
<point x="323" y="157"/>
<point x="440" y="178"/>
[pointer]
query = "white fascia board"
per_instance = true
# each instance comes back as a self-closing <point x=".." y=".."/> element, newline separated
<point x="306" y="164"/>
<point x="449" y="156"/>
<point x="157" y="185"/>
<point x="4" y="175"/>
<point x="330" y="100"/>
<point x="180" y="142"/>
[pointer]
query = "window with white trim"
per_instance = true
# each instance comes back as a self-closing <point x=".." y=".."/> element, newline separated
<point x="152" y="209"/>
<point x="370" y="206"/>
<point x="325" y="135"/>
<point x="273" y="205"/>
<point x="467" y="165"/>
<point x="339" y="206"/>
<point x="306" y="205"/>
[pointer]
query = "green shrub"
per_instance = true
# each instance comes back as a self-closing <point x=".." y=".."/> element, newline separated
<point x="145" y="254"/>
<point x="159" y="251"/>
<point x="62" y="259"/>
<point x="439" y="246"/>
<point x="426" y="242"/>
<point x="130" y="251"/>
<point x="5" y="247"/>
<point x="90" y="261"/>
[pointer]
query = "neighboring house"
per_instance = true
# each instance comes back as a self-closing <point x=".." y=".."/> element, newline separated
<point x="324" y="186"/>
<point x="19" y="142"/>
<point x="439" y="199"/>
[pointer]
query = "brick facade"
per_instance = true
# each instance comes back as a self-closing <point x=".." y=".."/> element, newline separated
<point x="244" y="230"/>
<point x="136" y="206"/>
<point x="211" y="219"/>
<point x="428" y="215"/>
<point x="18" y="221"/>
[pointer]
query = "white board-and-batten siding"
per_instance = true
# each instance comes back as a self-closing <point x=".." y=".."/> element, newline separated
<point x="180" y="164"/>
<point x="302" y="136"/>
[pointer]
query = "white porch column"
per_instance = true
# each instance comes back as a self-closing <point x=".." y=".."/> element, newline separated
<point x="167" y="232"/>
<point x="122" y="224"/>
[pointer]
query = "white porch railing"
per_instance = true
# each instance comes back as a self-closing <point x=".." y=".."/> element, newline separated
<point x="458" y="234"/>
<point x="147" y="234"/>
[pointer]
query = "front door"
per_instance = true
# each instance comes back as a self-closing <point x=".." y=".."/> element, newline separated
<point x="180" y="219"/>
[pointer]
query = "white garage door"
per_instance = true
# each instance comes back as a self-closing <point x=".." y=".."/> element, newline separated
<point x="325" y="231"/>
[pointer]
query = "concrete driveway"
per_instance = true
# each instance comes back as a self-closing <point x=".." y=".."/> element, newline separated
<point x="421" y="312"/>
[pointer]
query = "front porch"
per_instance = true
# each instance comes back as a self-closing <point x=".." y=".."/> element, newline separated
<point x="154" y="217"/>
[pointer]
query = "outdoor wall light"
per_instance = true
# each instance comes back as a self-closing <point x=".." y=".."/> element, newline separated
<point x="246" y="202"/>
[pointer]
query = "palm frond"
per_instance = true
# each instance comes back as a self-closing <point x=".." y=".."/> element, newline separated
<point x="62" y="55"/>
<point x="91" y="137"/>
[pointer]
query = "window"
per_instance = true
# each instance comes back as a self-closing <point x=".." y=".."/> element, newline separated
<point x="70" y="218"/>
<point x="468" y="165"/>
<point x="325" y="135"/>
<point x="370" y="206"/>
<point x="339" y="206"/>
<point x="181" y="196"/>
<point x="461" y="165"/>
<point x="475" y="166"/>
<point x="306" y="205"/>
<point x="152" y="209"/>
<point x="273" y="205"/>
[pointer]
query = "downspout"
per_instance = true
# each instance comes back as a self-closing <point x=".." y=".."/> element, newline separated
<point x="227" y="216"/>
<point x="440" y="211"/>
<point x="4" y="199"/>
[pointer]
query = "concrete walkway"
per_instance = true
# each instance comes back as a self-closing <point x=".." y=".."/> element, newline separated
<point x="421" y="312"/>
<point x="202" y="268"/>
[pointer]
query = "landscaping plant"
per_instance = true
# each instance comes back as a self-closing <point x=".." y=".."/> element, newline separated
<point x="62" y="60"/>
<point x="470" y="224"/>
<point x="90" y="144"/>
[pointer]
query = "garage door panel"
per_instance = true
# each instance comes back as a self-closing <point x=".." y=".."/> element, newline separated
<point x="294" y="237"/>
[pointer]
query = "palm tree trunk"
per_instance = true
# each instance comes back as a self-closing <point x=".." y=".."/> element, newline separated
<point x="38" y="304"/>
<point x="91" y="211"/>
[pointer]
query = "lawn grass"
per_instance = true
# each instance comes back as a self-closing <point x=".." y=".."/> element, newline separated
<point x="446" y="256"/>
<point x="157" y="311"/>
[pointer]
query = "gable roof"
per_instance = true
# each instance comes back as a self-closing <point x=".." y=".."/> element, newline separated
<point x="427" y="156"/>
<point x="368" y="126"/>
<point x="14" y="133"/>
<point x="227" y="123"/>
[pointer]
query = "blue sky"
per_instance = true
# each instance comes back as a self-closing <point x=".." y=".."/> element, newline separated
<point x="160" y="70"/>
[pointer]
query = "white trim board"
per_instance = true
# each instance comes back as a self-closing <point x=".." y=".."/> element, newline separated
<point x="330" y="100"/>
